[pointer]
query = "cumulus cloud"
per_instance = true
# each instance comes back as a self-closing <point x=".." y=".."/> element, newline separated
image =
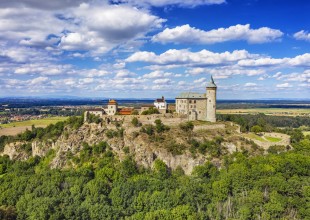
<point x="249" y="84"/>
<point x="97" y="28"/>
<point x="157" y="74"/>
<point x="298" y="61"/>
<point x="46" y="5"/>
<point x="224" y="72"/>
<point x="100" y="27"/>
<point x="203" y="57"/>
<point x="162" y="81"/>
<point x="161" y="3"/>
<point x="284" y="85"/>
<point x="124" y="74"/>
<point x="296" y="76"/>
<point x="187" y="34"/>
<point x="302" y="35"/>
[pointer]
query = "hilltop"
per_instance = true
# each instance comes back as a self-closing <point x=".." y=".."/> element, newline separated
<point x="174" y="140"/>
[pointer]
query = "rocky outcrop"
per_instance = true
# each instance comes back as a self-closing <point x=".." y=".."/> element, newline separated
<point x="138" y="145"/>
<point x="16" y="151"/>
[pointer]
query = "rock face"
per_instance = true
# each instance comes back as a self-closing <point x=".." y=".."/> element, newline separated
<point x="15" y="151"/>
<point x="131" y="141"/>
<point x="143" y="151"/>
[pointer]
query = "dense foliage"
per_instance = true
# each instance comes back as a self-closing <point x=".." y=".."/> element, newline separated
<point x="266" y="122"/>
<point x="263" y="187"/>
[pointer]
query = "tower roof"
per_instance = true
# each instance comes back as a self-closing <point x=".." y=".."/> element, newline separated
<point x="211" y="84"/>
<point x="112" y="102"/>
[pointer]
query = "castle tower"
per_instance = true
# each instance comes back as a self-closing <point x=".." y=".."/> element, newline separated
<point x="211" y="101"/>
<point x="112" y="107"/>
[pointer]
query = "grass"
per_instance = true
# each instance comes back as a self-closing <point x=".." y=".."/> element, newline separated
<point x="256" y="137"/>
<point x="267" y="111"/>
<point x="272" y="139"/>
<point x="38" y="122"/>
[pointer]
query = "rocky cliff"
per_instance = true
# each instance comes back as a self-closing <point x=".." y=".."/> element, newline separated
<point x="174" y="146"/>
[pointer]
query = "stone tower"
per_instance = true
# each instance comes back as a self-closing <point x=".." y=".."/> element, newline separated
<point x="211" y="101"/>
<point x="112" y="107"/>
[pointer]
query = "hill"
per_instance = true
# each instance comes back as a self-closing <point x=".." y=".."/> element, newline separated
<point x="134" y="168"/>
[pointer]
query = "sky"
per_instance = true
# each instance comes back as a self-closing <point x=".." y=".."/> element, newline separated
<point x="254" y="49"/>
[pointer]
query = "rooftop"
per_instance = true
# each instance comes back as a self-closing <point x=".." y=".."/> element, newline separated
<point x="112" y="102"/>
<point x="188" y="95"/>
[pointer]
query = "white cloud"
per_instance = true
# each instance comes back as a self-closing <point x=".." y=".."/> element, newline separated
<point x="161" y="3"/>
<point x="201" y="80"/>
<point x="39" y="80"/>
<point x="86" y="80"/>
<point x="187" y="34"/>
<point x="162" y="81"/>
<point x="298" y="61"/>
<point x="302" y="35"/>
<point x="224" y="72"/>
<point x="96" y="27"/>
<point x="47" y="5"/>
<point x="124" y="74"/>
<point x="157" y="74"/>
<point x="100" y="27"/>
<point x="249" y="84"/>
<point x="203" y="57"/>
<point x="284" y="85"/>
<point x="297" y="77"/>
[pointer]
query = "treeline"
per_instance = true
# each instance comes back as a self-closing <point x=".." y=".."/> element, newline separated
<point x="268" y="123"/>
<point x="275" y="186"/>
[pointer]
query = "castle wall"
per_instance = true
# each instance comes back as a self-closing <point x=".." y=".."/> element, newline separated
<point x="195" y="109"/>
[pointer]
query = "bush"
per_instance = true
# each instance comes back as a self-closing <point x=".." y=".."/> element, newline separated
<point x="91" y="118"/>
<point x="135" y="122"/>
<point x="276" y="149"/>
<point x="135" y="112"/>
<point x="256" y="129"/>
<point x="148" y="129"/>
<point x="187" y="126"/>
<point x="150" y="111"/>
<point x="160" y="127"/>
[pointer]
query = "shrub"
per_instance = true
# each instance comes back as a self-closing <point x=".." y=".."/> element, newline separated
<point x="148" y="129"/>
<point x="135" y="122"/>
<point x="160" y="127"/>
<point x="187" y="126"/>
<point x="150" y="111"/>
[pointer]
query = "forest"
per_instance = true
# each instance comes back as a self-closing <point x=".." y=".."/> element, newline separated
<point x="272" y="186"/>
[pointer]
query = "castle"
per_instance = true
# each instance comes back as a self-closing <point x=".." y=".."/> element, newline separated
<point x="198" y="106"/>
<point x="194" y="106"/>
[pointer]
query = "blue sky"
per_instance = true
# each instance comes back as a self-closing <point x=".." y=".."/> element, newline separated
<point x="148" y="48"/>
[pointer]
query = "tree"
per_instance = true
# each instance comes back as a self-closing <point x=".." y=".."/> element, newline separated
<point x="256" y="129"/>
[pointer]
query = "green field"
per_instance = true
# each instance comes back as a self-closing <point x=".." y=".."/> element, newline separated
<point x="262" y="138"/>
<point x="273" y="139"/>
<point x="39" y="122"/>
<point x="256" y="137"/>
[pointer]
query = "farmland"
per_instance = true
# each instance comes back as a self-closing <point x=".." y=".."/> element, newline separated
<point x="268" y="111"/>
<point x="18" y="127"/>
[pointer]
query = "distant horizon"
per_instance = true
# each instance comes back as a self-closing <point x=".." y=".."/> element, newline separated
<point x="130" y="98"/>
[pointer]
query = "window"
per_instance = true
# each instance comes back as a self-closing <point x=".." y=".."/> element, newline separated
<point x="194" y="101"/>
